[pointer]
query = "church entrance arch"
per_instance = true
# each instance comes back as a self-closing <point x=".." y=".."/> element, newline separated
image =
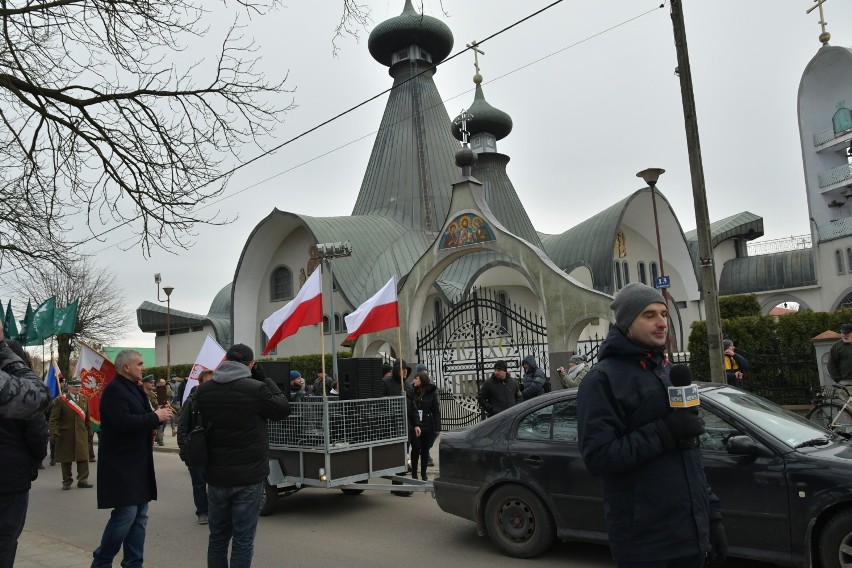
<point x="462" y="345"/>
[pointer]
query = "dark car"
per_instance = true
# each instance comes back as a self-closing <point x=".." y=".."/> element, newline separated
<point x="785" y="483"/>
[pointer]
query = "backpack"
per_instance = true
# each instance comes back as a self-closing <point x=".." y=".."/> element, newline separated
<point x="195" y="451"/>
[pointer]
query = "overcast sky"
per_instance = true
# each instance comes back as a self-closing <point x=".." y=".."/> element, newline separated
<point x="585" y="119"/>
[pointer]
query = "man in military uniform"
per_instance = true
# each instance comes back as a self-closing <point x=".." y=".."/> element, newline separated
<point x="69" y="427"/>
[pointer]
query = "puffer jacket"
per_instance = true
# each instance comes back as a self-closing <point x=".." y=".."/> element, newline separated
<point x="428" y="406"/>
<point x="535" y="381"/>
<point x="657" y="501"/>
<point x="234" y="408"/>
<point x="23" y="445"/>
<point x="22" y="393"/>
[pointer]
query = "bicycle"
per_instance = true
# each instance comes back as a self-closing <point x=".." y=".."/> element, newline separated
<point x="832" y="413"/>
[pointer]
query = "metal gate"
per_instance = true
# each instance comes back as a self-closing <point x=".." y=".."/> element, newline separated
<point x="461" y="346"/>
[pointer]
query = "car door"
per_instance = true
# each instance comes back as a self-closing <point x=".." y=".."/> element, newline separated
<point x="752" y="489"/>
<point x="544" y="450"/>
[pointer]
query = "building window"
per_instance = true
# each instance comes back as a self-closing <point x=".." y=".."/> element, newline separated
<point x="626" y="268"/>
<point x="436" y="307"/>
<point x="343" y="323"/>
<point x="643" y="277"/>
<point x="838" y="256"/>
<point x="336" y="323"/>
<point x="655" y="273"/>
<point x="325" y="328"/>
<point x="618" y="275"/>
<point x="849" y="258"/>
<point x="281" y="284"/>
<point x="503" y="300"/>
<point x="264" y="339"/>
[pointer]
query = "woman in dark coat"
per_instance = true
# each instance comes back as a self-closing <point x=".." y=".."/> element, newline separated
<point x="428" y="406"/>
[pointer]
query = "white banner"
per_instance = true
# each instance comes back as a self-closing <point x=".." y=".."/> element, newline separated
<point x="209" y="357"/>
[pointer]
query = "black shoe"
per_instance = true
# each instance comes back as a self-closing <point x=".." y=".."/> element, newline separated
<point x="52" y="461"/>
<point x="403" y="493"/>
<point x="423" y="477"/>
<point x="66" y="487"/>
<point x="85" y="485"/>
<point x="431" y="463"/>
<point x="41" y="466"/>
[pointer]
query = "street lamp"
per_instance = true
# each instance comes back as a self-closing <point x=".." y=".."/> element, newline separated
<point x="168" y="290"/>
<point x="327" y="252"/>
<point x="651" y="176"/>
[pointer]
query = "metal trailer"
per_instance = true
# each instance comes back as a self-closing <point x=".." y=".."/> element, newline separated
<point x="339" y="444"/>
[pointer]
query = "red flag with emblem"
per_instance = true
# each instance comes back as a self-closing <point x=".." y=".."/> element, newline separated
<point x="94" y="370"/>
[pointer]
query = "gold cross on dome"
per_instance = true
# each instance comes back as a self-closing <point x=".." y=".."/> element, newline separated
<point x="824" y="36"/>
<point x="474" y="45"/>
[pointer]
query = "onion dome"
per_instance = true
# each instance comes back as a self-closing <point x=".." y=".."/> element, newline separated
<point x="485" y="118"/>
<point x="466" y="159"/>
<point x="410" y="28"/>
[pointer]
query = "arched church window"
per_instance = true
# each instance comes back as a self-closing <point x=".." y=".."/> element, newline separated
<point x="325" y="328"/>
<point x="626" y="269"/>
<point x="846" y="303"/>
<point x="503" y="300"/>
<point x="436" y="309"/>
<point x="336" y="323"/>
<point x="643" y="277"/>
<point x="842" y="119"/>
<point x="849" y="258"/>
<point x="838" y="257"/>
<point x="281" y="284"/>
<point x="655" y="273"/>
<point x="343" y="323"/>
<point x="617" y="270"/>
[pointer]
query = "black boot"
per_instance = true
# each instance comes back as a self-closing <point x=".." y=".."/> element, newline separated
<point x="423" y="475"/>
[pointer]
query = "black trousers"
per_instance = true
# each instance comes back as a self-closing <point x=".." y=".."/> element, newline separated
<point x="13" y="513"/>
<point x="420" y="446"/>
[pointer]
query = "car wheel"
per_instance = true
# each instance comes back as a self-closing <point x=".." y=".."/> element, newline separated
<point x="835" y="542"/>
<point x="518" y="522"/>
<point x="267" y="500"/>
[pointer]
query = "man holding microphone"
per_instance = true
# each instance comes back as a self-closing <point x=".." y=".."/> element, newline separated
<point x="660" y="512"/>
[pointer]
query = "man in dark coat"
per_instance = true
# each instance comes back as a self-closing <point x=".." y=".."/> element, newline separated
<point x="234" y="407"/>
<point x="69" y="428"/>
<point x="535" y="381"/>
<point x="499" y="391"/>
<point x="126" y="481"/>
<point x="659" y="509"/>
<point x="22" y="393"/>
<point x="23" y="444"/>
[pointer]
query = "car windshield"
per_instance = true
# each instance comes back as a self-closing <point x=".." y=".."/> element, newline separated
<point x="789" y="428"/>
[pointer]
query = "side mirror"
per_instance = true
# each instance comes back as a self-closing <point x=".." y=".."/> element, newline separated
<point x="742" y="446"/>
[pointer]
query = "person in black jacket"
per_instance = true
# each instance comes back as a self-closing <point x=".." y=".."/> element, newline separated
<point x="394" y="382"/>
<point x="499" y="391"/>
<point x="198" y="474"/>
<point x="427" y="406"/>
<point x="660" y="512"/>
<point x="535" y="381"/>
<point x="234" y="407"/>
<point x="23" y="445"/>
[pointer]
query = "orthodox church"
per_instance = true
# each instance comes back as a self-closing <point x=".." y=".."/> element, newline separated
<point x="476" y="282"/>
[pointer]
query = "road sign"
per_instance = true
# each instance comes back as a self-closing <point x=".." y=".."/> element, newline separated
<point x="662" y="282"/>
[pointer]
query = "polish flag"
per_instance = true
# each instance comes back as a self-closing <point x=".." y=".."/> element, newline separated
<point x="378" y="313"/>
<point x="304" y="309"/>
<point x="209" y="357"/>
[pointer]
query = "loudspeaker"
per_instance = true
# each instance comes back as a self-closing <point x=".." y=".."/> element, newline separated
<point x="359" y="377"/>
<point x="279" y="372"/>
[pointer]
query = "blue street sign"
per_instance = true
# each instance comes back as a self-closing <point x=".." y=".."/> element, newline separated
<point x="662" y="282"/>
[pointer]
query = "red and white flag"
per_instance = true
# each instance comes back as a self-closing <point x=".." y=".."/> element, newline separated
<point x="94" y="371"/>
<point x="209" y="357"/>
<point x="304" y="309"/>
<point x="378" y="313"/>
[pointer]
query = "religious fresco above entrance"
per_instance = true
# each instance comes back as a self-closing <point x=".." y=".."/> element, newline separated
<point x="466" y="229"/>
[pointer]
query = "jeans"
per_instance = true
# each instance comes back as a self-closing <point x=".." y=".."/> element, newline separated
<point x="199" y="489"/>
<point x="696" y="561"/>
<point x="233" y="514"/>
<point x="14" y="513"/>
<point x="126" y="526"/>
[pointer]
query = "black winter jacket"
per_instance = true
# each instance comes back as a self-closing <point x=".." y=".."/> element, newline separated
<point x="657" y="501"/>
<point x="428" y="408"/>
<point x="535" y="380"/>
<point x="234" y="408"/>
<point x="23" y="445"/>
<point x="495" y="395"/>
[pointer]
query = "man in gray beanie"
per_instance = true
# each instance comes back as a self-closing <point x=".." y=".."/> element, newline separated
<point x="659" y="508"/>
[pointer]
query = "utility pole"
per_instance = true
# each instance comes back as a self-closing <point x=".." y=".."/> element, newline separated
<point x="699" y="196"/>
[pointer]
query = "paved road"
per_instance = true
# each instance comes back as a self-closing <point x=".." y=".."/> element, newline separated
<point x="313" y="528"/>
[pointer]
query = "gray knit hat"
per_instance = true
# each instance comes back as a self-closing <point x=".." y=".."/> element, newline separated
<point x="631" y="300"/>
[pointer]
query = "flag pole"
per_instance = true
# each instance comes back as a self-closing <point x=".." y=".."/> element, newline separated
<point x="322" y="337"/>
<point x="399" y="342"/>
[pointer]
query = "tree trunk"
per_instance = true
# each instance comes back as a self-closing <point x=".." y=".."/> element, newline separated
<point x="63" y="343"/>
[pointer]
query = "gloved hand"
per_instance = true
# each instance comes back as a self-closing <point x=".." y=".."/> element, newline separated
<point x="718" y="541"/>
<point x="680" y="428"/>
<point x="257" y="372"/>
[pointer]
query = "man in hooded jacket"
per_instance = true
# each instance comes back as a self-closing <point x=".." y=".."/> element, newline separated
<point x="660" y="512"/>
<point x="234" y="408"/>
<point x="535" y="381"/>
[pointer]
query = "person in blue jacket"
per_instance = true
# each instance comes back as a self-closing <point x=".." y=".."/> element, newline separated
<point x="660" y="511"/>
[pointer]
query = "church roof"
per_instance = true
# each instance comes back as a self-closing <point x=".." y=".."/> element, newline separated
<point x="748" y="275"/>
<point x="152" y="317"/>
<point x="458" y="277"/>
<point x="485" y="118"/>
<point x="410" y="28"/>
<point x="741" y="225"/>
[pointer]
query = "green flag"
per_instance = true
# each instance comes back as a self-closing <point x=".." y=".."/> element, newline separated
<point x="10" y="328"/>
<point x="64" y="319"/>
<point x="3" y="319"/>
<point x="42" y="327"/>
<point x="26" y="324"/>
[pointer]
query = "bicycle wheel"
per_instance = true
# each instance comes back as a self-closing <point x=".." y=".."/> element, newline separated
<point x="829" y="414"/>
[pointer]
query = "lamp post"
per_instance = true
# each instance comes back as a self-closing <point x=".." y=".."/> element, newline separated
<point x="168" y="290"/>
<point x="327" y="252"/>
<point x="651" y="176"/>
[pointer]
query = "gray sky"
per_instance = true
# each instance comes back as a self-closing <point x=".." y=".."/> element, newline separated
<point x="585" y="120"/>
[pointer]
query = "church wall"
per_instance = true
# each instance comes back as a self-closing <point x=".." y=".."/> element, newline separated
<point x="184" y="345"/>
<point x="835" y="275"/>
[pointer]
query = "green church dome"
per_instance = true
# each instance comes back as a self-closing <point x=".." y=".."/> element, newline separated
<point x="410" y="28"/>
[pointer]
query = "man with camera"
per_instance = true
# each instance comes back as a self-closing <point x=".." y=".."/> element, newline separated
<point x="234" y="407"/>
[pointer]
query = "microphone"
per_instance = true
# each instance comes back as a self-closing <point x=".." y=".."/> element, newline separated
<point x="683" y="394"/>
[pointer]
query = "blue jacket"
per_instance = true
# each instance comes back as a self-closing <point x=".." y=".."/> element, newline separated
<point x="657" y="501"/>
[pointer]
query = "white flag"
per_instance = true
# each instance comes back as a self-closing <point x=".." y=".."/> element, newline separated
<point x="209" y="357"/>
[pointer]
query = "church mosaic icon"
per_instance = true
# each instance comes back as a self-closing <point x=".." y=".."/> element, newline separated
<point x="466" y="229"/>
